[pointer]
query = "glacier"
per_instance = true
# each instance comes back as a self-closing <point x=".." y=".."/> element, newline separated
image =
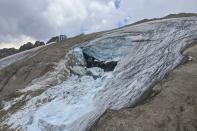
<point x="141" y="55"/>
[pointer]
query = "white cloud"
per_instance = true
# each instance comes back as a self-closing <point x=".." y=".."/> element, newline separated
<point x="140" y="9"/>
<point x="43" y="19"/>
<point x="117" y="3"/>
<point x="16" y="42"/>
<point x="102" y="16"/>
<point x="65" y="12"/>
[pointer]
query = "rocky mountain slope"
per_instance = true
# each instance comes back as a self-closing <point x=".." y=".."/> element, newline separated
<point x="69" y="86"/>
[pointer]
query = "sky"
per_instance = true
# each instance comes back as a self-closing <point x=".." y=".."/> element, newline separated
<point x="22" y="21"/>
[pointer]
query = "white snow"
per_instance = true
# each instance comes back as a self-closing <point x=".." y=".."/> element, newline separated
<point x="68" y="101"/>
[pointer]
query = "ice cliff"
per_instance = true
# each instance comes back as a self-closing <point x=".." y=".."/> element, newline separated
<point x="112" y="71"/>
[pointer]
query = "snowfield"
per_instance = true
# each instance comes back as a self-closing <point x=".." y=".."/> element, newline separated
<point x="110" y="72"/>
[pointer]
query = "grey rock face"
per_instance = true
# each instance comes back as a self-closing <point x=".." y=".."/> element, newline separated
<point x="27" y="46"/>
<point x="7" y="52"/>
<point x="39" y="43"/>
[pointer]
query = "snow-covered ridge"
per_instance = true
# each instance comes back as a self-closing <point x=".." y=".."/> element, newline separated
<point x="110" y="72"/>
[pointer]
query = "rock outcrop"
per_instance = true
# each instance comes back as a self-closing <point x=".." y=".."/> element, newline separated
<point x="11" y="51"/>
<point x="27" y="46"/>
<point x="57" y="39"/>
<point x="114" y="70"/>
<point x="39" y="43"/>
<point x="7" y="52"/>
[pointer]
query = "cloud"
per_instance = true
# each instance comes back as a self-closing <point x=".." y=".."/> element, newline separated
<point x="43" y="19"/>
<point x="124" y="21"/>
<point x="16" y="42"/>
<point x="117" y="3"/>
<point x="19" y="19"/>
<point x="140" y="9"/>
<point x="24" y="20"/>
